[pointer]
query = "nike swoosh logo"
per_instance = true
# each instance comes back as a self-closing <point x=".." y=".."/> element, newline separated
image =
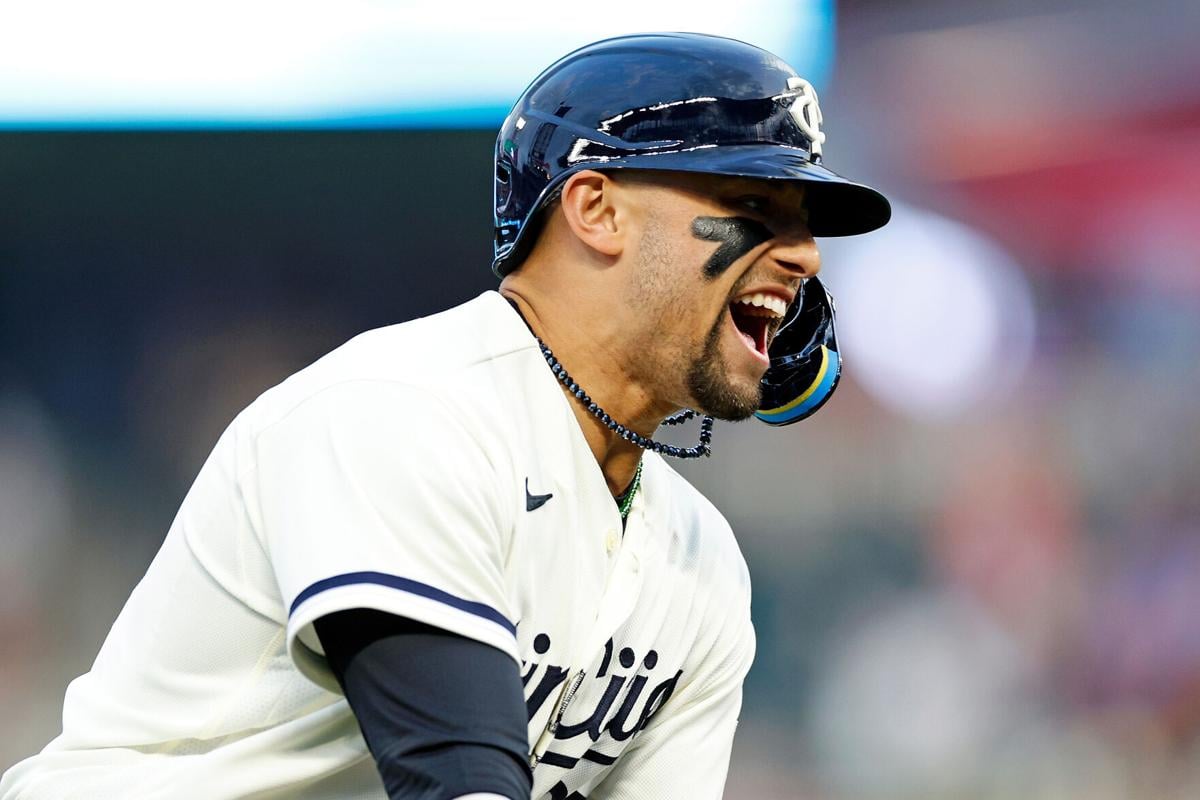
<point x="534" y="501"/>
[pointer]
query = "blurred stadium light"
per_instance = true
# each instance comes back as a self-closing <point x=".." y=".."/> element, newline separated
<point x="355" y="64"/>
<point x="935" y="317"/>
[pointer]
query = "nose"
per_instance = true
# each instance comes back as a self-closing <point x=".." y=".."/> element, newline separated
<point x="796" y="251"/>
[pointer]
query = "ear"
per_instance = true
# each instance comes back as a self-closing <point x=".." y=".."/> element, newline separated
<point x="591" y="208"/>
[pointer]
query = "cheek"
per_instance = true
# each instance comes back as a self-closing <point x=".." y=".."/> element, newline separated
<point x="681" y="321"/>
<point x="670" y="281"/>
<point x="679" y="304"/>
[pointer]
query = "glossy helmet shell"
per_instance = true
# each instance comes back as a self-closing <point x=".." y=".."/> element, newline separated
<point x="668" y="101"/>
<point x="806" y="364"/>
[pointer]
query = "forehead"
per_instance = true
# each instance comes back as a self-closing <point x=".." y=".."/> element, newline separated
<point x="720" y="188"/>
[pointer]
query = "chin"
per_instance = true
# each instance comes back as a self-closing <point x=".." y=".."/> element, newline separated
<point x="721" y="394"/>
<point x="720" y="389"/>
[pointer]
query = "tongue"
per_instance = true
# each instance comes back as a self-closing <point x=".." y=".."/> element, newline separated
<point x="753" y="345"/>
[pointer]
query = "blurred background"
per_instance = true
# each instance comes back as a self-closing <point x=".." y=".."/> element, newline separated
<point x="976" y="571"/>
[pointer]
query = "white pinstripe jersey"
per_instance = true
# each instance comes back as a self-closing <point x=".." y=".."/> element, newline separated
<point x="396" y="474"/>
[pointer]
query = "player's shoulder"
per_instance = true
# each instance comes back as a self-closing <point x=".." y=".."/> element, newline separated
<point x="424" y="357"/>
<point x="701" y="537"/>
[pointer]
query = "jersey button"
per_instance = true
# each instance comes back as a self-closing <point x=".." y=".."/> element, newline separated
<point x="611" y="540"/>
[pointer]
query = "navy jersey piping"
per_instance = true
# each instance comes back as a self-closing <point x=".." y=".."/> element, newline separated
<point x="408" y="585"/>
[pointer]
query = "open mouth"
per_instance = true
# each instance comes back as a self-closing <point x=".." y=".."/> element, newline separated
<point x="756" y="317"/>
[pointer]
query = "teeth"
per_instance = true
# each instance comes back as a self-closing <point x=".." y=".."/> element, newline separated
<point x="768" y="301"/>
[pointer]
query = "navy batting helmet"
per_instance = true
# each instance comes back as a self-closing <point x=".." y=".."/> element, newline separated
<point x="687" y="102"/>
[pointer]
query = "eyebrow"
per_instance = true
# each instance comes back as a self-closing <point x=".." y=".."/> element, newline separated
<point x="779" y="203"/>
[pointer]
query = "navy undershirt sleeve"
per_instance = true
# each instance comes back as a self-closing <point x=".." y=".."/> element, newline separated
<point x="442" y="714"/>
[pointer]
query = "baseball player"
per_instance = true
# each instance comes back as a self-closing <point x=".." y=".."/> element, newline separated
<point x="450" y="559"/>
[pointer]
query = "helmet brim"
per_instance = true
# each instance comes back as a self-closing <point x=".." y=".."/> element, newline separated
<point x="836" y="206"/>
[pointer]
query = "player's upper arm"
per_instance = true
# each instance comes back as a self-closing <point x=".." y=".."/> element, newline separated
<point x="684" y="753"/>
<point x="373" y="494"/>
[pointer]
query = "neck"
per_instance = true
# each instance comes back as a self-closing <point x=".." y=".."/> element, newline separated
<point x="591" y="351"/>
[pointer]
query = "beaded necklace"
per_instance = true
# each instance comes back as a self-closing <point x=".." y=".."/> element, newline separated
<point x="702" y="448"/>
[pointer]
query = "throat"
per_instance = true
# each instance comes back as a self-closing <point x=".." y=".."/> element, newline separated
<point x="589" y="406"/>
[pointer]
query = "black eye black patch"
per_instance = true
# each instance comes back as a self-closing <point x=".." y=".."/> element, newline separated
<point x="737" y="235"/>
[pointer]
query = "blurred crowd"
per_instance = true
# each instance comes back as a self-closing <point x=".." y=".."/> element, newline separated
<point x="987" y="598"/>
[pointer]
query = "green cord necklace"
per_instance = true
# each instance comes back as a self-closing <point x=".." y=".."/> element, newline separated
<point x="625" y="501"/>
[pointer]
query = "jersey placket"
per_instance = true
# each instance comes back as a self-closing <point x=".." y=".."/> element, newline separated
<point x="622" y="588"/>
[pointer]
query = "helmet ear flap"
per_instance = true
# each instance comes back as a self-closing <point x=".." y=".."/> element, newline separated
<point x="503" y="180"/>
<point x="504" y="233"/>
<point x="805" y="363"/>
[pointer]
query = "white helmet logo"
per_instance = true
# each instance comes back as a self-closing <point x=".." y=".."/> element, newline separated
<point x="806" y="112"/>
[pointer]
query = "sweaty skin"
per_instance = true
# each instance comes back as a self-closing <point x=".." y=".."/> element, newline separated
<point x="737" y="235"/>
